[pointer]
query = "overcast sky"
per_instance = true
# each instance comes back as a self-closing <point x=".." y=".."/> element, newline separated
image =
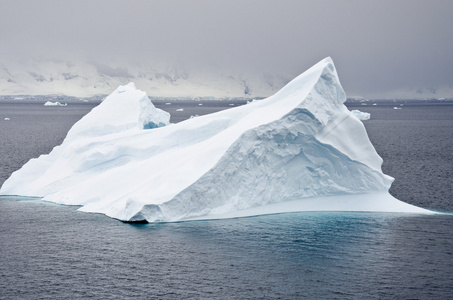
<point x="377" y="46"/>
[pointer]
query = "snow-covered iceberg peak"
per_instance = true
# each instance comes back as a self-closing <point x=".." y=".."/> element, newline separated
<point x="126" y="108"/>
<point x="300" y="149"/>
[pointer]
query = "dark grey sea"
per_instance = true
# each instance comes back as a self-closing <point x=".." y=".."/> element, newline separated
<point x="50" y="251"/>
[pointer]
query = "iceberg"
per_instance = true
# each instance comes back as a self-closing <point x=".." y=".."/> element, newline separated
<point x="50" y="103"/>
<point x="363" y="116"/>
<point x="298" y="150"/>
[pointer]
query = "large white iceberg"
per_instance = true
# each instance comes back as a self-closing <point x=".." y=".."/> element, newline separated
<point x="300" y="149"/>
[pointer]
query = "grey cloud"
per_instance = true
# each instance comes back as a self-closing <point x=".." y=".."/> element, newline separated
<point x="376" y="45"/>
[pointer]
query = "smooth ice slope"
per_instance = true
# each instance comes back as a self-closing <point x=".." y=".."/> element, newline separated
<point x="300" y="149"/>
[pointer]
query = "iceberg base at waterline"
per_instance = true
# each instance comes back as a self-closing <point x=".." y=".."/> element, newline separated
<point x="379" y="202"/>
<point x="298" y="150"/>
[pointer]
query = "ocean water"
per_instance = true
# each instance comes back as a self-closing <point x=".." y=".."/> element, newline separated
<point x="416" y="143"/>
<point x="53" y="251"/>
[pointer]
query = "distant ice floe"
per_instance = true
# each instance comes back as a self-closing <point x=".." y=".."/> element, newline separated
<point x="298" y="150"/>
<point x="363" y="116"/>
<point x="7" y="119"/>
<point x="180" y="109"/>
<point x="49" y="103"/>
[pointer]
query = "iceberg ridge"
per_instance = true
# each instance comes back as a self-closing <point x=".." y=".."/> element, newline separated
<point x="297" y="146"/>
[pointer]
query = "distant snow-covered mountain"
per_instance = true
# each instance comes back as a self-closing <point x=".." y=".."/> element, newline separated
<point x="86" y="79"/>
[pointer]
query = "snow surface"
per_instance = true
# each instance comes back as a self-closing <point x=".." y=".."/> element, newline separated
<point x="363" y="116"/>
<point x="300" y="149"/>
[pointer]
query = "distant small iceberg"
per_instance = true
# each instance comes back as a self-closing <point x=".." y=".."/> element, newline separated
<point x="7" y="119"/>
<point x="396" y="107"/>
<point x="362" y="116"/>
<point x="50" y="103"/>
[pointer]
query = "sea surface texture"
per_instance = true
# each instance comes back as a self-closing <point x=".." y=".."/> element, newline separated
<point x="53" y="251"/>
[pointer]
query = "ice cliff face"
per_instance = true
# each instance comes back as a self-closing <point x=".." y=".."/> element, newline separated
<point x="296" y="147"/>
